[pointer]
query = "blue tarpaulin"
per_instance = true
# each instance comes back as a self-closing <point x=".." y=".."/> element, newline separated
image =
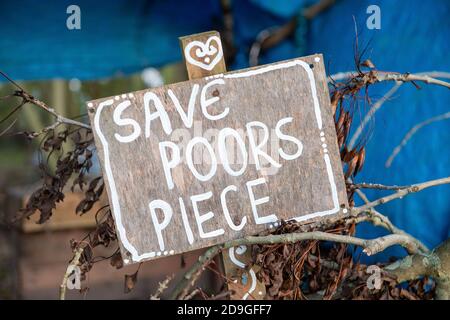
<point x="121" y="37"/>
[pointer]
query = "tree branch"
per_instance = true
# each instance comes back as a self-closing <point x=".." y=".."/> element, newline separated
<point x="435" y="264"/>
<point x="411" y="132"/>
<point x="409" y="77"/>
<point x="427" y="76"/>
<point x="371" y="246"/>
<point x="27" y="98"/>
<point x="400" y="194"/>
<point x="380" y="220"/>
<point x="376" y="186"/>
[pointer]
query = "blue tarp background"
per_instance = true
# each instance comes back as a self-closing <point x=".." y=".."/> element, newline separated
<point x="126" y="36"/>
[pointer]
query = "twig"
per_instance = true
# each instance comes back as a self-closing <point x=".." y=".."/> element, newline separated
<point x="373" y="109"/>
<point x="409" y="77"/>
<point x="11" y="80"/>
<point x="435" y="264"/>
<point x="352" y="74"/>
<point x="371" y="246"/>
<point x="411" y="132"/>
<point x="377" y="186"/>
<point x="12" y="112"/>
<point x="380" y="220"/>
<point x="59" y="119"/>
<point x="27" y="98"/>
<point x="193" y="293"/>
<point x="75" y="261"/>
<point x="401" y="193"/>
<point x="8" y="127"/>
<point x="190" y="277"/>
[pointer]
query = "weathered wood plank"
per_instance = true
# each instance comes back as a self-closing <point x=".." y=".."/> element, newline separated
<point x="306" y="187"/>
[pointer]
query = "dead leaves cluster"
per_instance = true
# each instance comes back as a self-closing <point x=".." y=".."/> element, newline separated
<point x="74" y="163"/>
<point x="294" y="271"/>
<point x="314" y="270"/>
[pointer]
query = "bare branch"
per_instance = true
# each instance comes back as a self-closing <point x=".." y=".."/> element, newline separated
<point x="162" y="286"/>
<point x="427" y="74"/>
<point x="8" y="127"/>
<point x="380" y="220"/>
<point x="411" y="132"/>
<point x="221" y="295"/>
<point x="193" y="293"/>
<point x="409" y="77"/>
<point x="401" y="193"/>
<point x="11" y="80"/>
<point x="377" y="186"/>
<point x="371" y="247"/>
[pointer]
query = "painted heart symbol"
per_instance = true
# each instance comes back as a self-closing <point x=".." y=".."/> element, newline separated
<point x="204" y="52"/>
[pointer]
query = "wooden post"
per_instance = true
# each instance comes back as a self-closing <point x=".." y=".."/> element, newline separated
<point x="204" y="57"/>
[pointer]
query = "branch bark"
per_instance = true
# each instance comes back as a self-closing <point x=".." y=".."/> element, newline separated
<point x="435" y="264"/>
<point x="371" y="246"/>
<point x="409" y="77"/>
<point x="380" y="220"/>
<point x="377" y="186"/>
<point x="400" y="194"/>
<point x="59" y="118"/>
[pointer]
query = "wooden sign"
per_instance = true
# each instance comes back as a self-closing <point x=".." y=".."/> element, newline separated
<point x="201" y="162"/>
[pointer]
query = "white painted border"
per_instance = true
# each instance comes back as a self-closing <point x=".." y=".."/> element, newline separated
<point x="135" y="256"/>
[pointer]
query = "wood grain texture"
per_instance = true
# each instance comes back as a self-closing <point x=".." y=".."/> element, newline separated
<point x="301" y="187"/>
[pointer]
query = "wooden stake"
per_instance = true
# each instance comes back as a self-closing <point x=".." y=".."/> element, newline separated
<point x="203" y="56"/>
